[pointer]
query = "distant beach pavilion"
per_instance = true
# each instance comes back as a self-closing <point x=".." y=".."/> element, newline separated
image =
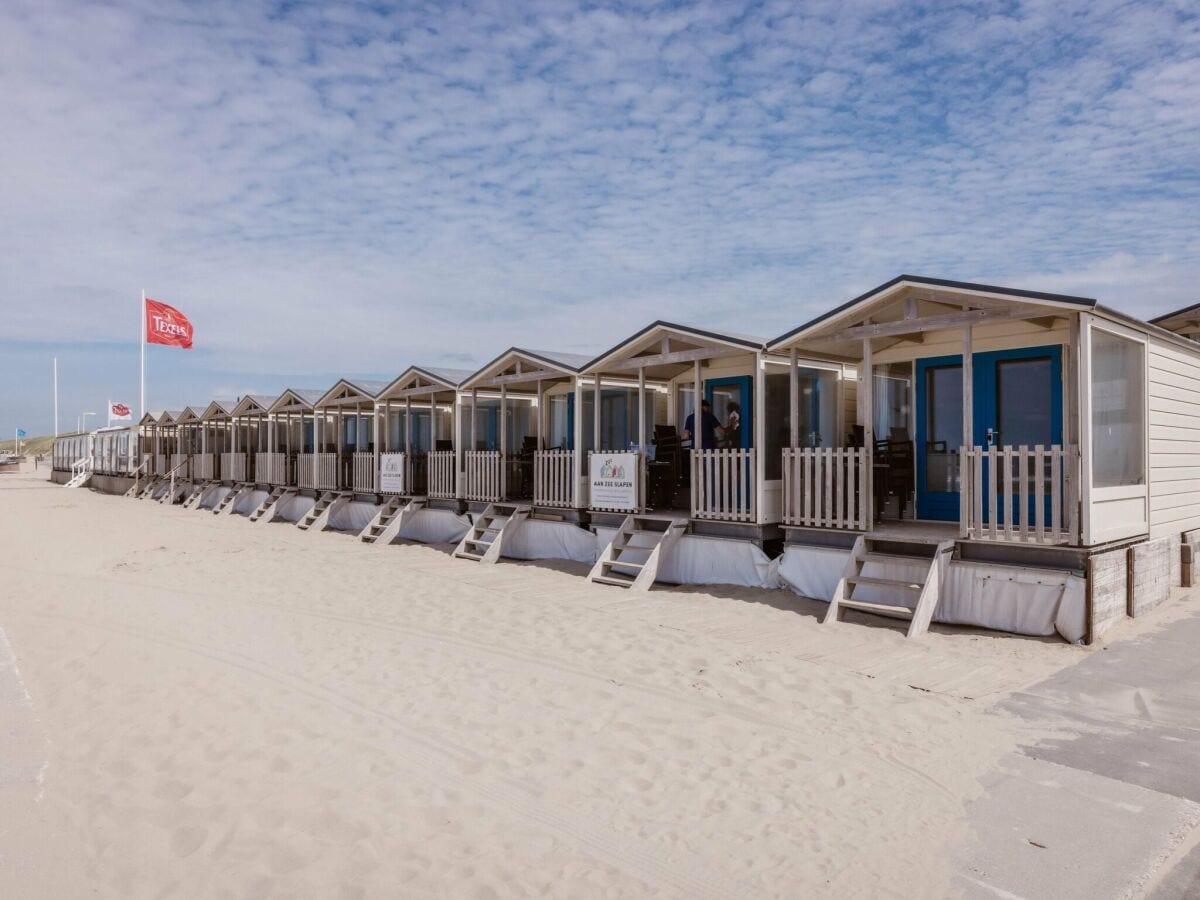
<point x="345" y="429"/>
<point x="247" y="440"/>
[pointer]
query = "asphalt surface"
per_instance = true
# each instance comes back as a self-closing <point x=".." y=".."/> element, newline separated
<point x="1106" y="801"/>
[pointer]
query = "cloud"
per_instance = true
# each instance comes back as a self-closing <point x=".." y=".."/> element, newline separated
<point x="347" y="188"/>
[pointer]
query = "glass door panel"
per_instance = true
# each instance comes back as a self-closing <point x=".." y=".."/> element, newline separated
<point x="939" y="437"/>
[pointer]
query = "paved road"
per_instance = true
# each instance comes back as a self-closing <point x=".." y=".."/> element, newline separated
<point x="1106" y="803"/>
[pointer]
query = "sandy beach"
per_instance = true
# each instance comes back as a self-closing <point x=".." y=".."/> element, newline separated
<point x="200" y="706"/>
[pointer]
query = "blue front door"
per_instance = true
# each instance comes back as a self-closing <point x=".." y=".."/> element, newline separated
<point x="731" y="404"/>
<point x="1017" y="401"/>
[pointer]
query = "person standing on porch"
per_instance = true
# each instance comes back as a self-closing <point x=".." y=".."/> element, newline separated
<point x="710" y="428"/>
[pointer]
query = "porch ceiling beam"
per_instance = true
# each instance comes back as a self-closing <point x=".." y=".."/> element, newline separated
<point x="531" y="375"/>
<point x="677" y="357"/>
<point x="933" y="323"/>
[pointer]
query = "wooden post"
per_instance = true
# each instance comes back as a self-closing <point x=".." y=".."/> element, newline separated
<point x="474" y="418"/>
<point x="697" y="412"/>
<point x="540" y="413"/>
<point x="794" y="395"/>
<point x="577" y="442"/>
<point x="867" y="407"/>
<point x="1072" y="412"/>
<point x="596" y="416"/>
<point x="968" y="417"/>
<point x="504" y="441"/>
<point x="642" y="408"/>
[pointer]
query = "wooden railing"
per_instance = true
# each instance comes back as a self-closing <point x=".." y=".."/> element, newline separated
<point x="554" y="478"/>
<point x="202" y="466"/>
<point x="364" y="472"/>
<point x="1019" y="494"/>
<point x="324" y="477"/>
<point x="723" y="485"/>
<point x="482" y="475"/>
<point x="826" y="487"/>
<point x="272" y="468"/>
<point x="233" y="466"/>
<point x="440" y="474"/>
<point x="179" y="465"/>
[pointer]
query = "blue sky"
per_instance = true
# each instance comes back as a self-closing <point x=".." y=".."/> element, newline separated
<point x="338" y="189"/>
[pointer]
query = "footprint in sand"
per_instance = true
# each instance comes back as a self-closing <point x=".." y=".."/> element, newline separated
<point x="187" y="840"/>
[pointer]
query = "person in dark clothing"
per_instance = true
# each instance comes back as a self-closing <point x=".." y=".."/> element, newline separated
<point x="710" y="428"/>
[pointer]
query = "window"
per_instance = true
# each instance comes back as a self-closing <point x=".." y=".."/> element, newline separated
<point x="1118" y="390"/>
<point x="558" y="421"/>
<point x="893" y="399"/>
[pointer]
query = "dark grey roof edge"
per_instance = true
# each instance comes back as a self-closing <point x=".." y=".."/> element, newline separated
<point x="1176" y="312"/>
<point x="1082" y="302"/>
<point x="748" y="343"/>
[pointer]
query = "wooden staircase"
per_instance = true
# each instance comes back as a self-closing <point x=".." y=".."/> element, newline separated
<point x="143" y="487"/>
<point x="174" y="492"/>
<point x="317" y="518"/>
<point x="921" y="592"/>
<point x="390" y="519"/>
<point x="484" y="541"/>
<point x="229" y="501"/>
<point x="196" y="494"/>
<point x="82" y="475"/>
<point x="633" y="557"/>
<point x="269" y="507"/>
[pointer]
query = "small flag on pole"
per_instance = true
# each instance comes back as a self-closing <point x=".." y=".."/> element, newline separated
<point x="119" y="412"/>
<point x="167" y="325"/>
<point x="20" y="432"/>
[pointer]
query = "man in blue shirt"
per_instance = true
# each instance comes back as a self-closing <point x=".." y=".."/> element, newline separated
<point x="709" y="427"/>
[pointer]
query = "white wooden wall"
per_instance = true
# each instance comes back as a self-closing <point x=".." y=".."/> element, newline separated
<point x="1174" y="422"/>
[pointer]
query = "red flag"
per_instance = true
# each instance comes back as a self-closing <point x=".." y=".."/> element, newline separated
<point x="167" y="325"/>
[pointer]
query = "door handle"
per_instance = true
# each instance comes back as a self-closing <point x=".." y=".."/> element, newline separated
<point x="992" y="436"/>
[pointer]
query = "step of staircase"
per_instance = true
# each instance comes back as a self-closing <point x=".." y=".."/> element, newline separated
<point x="930" y="559"/>
<point x="638" y="548"/>
<point x="488" y="531"/>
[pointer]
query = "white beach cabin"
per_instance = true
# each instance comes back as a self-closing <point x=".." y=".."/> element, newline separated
<point x="522" y="462"/>
<point x="286" y="466"/>
<point x="1016" y="459"/>
<point x="344" y="466"/>
<point x="418" y="458"/>
<point x="689" y="506"/>
<point x="244" y="459"/>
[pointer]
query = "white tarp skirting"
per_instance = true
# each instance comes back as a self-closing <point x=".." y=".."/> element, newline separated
<point x="704" y="560"/>
<point x="214" y="495"/>
<point x="353" y="516"/>
<point x="541" y="539"/>
<point x="435" y="526"/>
<point x="249" y="502"/>
<point x="1005" y="598"/>
<point x="293" y="508"/>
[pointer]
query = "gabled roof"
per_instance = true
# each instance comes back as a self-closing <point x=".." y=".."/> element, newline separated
<point x="901" y="282"/>
<point x="687" y="333"/>
<point x="306" y="398"/>
<point x="151" y="418"/>
<point x="170" y="417"/>
<point x="367" y="390"/>
<point x="566" y="364"/>
<point x="219" y="409"/>
<point x="445" y="379"/>
<point x="1186" y="314"/>
<point x="190" y="414"/>
<point x="253" y="403"/>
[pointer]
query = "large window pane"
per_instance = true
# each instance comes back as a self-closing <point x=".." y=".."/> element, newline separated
<point x="1118" y="410"/>
<point x="943" y="427"/>
<point x="893" y="401"/>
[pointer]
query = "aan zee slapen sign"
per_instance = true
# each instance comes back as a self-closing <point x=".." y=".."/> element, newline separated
<point x="614" y="481"/>
<point x="391" y="473"/>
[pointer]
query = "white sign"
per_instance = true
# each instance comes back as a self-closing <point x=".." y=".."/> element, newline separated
<point x="614" y="478"/>
<point x="391" y="473"/>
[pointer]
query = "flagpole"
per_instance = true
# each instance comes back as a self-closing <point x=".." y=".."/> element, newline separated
<point x="56" y="396"/>
<point x="142" y="342"/>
